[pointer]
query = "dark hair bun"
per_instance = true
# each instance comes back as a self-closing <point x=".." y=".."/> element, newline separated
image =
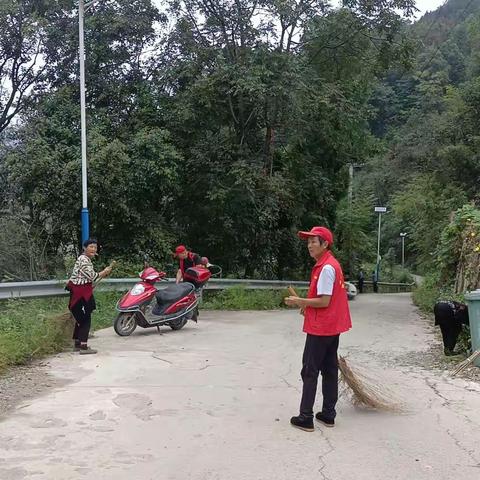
<point x="88" y="242"/>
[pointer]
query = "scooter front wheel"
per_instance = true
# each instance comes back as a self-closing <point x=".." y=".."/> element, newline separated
<point x="125" y="324"/>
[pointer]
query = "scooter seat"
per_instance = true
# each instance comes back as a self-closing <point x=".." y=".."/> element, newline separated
<point x="173" y="293"/>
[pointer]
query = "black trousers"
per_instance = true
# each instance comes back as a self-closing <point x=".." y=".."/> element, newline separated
<point x="450" y="333"/>
<point x="320" y="356"/>
<point x="449" y="325"/>
<point x="82" y="313"/>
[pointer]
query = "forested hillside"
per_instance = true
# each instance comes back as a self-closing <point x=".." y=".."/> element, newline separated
<point x="427" y="119"/>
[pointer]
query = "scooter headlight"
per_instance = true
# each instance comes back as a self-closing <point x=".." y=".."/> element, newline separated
<point x="137" y="289"/>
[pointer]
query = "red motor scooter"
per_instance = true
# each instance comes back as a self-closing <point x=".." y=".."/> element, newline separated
<point x="146" y="306"/>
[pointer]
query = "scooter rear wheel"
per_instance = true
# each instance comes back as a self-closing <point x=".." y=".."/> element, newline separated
<point x="178" y="324"/>
<point x="125" y="324"/>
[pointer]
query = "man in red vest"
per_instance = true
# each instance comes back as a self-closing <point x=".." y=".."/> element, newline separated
<point x="186" y="260"/>
<point x="326" y="316"/>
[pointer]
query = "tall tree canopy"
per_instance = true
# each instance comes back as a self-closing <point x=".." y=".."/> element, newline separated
<point x="226" y="125"/>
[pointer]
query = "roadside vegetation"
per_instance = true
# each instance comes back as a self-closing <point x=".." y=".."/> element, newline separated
<point x="33" y="328"/>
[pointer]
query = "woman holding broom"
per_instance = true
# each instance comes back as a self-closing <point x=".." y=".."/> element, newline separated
<point x="326" y="316"/>
<point x="82" y="302"/>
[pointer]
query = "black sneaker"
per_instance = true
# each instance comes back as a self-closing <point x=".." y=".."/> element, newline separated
<point x="303" y="423"/>
<point x="87" y="351"/>
<point x="327" y="422"/>
<point x="450" y="353"/>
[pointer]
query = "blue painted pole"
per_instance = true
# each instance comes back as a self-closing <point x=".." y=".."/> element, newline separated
<point x="85" y="224"/>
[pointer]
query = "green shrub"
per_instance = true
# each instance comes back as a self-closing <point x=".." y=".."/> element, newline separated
<point x="431" y="290"/>
<point x="240" y="298"/>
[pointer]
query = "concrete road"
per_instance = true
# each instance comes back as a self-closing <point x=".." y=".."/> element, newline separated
<point x="213" y="402"/>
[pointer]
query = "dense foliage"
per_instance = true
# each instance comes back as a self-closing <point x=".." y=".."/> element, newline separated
<point x="229" y="125"/>
<point x="226" y="125"/>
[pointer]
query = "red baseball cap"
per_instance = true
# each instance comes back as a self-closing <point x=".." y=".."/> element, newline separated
<point x="180" y="249"/>
<point x="321" y="232"/>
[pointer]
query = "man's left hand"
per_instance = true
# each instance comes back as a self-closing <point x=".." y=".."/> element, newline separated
<point x="293" y="301"/>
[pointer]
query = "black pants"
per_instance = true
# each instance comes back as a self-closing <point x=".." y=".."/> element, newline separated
<point x="449" y="325"/>
<point x="82" y="313"/>
<point x="450" y="333"/>
<point x="320" y="356"/>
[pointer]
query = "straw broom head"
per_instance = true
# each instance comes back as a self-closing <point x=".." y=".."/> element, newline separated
<point x="365" y="393"/>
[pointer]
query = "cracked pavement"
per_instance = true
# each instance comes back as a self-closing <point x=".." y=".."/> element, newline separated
<point x="213" y="402"/>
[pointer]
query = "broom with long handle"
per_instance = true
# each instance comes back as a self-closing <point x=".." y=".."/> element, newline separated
<point x="364" y="393"/>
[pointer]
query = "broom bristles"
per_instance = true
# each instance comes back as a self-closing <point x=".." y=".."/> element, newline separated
<point x="364" y="392"/>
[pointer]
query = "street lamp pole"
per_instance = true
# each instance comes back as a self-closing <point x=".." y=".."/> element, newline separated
<point x="83" y="118"/>
<point x="379" y="210"/>
<point x="403" y="235"/>
<point x="378" y="236"/>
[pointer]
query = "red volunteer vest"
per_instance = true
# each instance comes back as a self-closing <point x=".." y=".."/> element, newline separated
<point x="335" y="318"/>
<point x="182" y="266"/>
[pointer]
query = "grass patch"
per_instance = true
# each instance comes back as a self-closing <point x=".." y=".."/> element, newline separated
<point x="32" y="328"/>
<point x="240" y="298"/>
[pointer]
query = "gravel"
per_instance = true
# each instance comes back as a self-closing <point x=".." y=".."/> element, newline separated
<point x="23" y="383"/>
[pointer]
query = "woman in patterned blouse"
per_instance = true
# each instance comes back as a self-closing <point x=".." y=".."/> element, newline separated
<point x="82" y="302"/>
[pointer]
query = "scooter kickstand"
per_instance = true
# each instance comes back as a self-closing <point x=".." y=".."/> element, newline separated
<point x="158" y="330"/>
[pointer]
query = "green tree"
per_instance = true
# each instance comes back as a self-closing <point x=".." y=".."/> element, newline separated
<point x="424" y="208"/>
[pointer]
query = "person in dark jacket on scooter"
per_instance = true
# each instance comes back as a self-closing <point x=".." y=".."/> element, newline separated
<point x="186" y="260"/>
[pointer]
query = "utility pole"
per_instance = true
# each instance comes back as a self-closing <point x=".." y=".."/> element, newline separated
<point x="402" y="236"/>
<point x="83" y="119"/>
<point x="351" y="169"/>
<point x="379" y="210"/>
<point x="350" y="184"/>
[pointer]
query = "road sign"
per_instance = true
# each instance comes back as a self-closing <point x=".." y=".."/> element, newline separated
<point x="380" y="209"/>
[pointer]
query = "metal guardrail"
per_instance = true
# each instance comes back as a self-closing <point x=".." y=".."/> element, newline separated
<point x="53" y="288"/>
<point x="386" y="287"/>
